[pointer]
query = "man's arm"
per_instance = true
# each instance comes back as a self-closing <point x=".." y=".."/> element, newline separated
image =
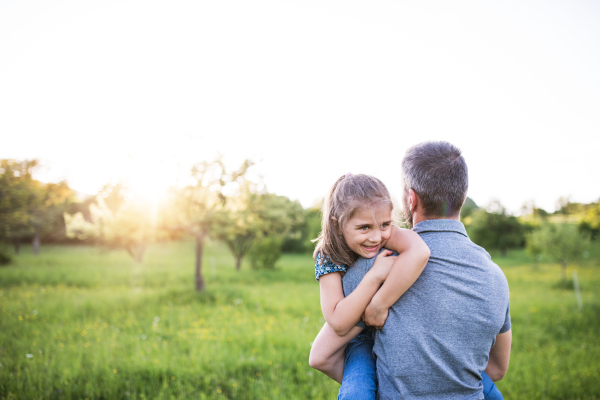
<point x="499" y="356"/>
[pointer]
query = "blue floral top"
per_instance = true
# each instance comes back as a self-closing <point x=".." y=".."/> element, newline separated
<point x="327" y="267"/>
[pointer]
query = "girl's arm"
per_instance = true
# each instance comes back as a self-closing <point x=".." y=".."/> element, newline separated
<point x="413" y="257"/>
<point x="342" y="313"/>
<point x="327" y="353"/>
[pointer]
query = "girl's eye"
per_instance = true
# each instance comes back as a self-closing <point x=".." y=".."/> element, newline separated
<point x="386" y="225"/>
<point x="364" y="228"/>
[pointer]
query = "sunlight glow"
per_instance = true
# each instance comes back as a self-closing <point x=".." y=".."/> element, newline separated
<point x="140" y="91"/>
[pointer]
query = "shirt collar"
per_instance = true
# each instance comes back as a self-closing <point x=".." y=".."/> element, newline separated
<point x="440" y="225"/>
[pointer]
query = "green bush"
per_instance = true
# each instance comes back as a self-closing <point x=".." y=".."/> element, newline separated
<point x="496" y="229"/>
<point x="266" y="252"/>
<point x="5" y="258"/>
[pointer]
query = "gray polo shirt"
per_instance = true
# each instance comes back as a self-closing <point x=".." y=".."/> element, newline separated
<point x="438" y="335"/>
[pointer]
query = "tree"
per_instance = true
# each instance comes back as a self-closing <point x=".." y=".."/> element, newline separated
<point x="531" y="219"/>
<point x="313" y="218"/>
<point x="197" y="208"/>
<point x="564" y="206"/>
<point x="29" y="209"/>
<point x="17" y="194"/>
<point x="562" y="243"/>
<point x="496" y="229"/>
<point x="468" y="207"/>
<point x="590" y="222"/>
<point x="529" y="211"/>
<point x="237" y="225"/>
<point x="124" y="224"/>
<point x="51" y="201"/>
<point x="534" y="246"/>
<point x="299" y="239"/>
<point x="251" y="217"/>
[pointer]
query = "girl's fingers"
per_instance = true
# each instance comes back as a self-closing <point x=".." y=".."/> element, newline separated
<point x="385" y="253"/>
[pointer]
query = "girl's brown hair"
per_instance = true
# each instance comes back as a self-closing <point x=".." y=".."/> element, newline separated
<point x="346" y="195"/>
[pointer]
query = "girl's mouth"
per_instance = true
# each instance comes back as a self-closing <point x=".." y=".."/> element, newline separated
<point x="372" y="248"/>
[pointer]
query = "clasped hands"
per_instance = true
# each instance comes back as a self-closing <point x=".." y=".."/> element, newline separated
<point x="375" y="316"/>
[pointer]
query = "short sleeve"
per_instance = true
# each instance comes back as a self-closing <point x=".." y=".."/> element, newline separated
<point x="506" y="326"/>
<point x="326" y="266"/>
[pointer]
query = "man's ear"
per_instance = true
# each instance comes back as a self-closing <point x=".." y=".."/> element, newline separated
<point x="413" y="200"/>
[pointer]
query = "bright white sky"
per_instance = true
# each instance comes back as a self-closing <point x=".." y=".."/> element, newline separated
<point x="139" y="90"/>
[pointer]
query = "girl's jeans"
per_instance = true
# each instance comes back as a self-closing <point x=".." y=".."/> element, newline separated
<point x="360" y="378"/>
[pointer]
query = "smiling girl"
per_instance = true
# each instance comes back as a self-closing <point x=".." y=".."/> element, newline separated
<point x="357" y="222"/>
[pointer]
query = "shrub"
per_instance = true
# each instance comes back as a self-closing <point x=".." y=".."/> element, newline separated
<point x="5" y="258"/>
<point x="266" y="252"/>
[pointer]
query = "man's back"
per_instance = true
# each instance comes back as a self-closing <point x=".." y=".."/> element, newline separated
<point x="437" y="338"/>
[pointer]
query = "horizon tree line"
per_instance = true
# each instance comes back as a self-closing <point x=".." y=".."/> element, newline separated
<point x="226" y="206"/>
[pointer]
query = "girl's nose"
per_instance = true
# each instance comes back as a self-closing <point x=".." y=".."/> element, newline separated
<point x="375" y="236"/>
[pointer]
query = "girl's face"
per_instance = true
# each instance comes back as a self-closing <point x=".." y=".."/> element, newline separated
<point x="368" y="230"/>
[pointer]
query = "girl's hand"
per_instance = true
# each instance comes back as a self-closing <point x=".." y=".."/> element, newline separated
<point x="383" y="265"/>
<point x="375" y="316"/>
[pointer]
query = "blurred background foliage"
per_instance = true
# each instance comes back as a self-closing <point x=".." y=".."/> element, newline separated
<point x="219" y="204"/>
<point x="226" y="206"/>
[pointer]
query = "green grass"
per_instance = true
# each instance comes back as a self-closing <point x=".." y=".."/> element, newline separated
<point x="98" y="326"/>
<point x="556" y="349"/>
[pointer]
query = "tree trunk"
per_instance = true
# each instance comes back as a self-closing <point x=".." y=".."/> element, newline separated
<point x="36" y="242"/>
<point x="130" y="251"/>
<point x="139" y="257"/>
<point x="17" y="245"/>
<point x="140" y="251"/>
<point x="564" y="270"/>
<point x="238" y="263"/>
<point x="199" y="251"/>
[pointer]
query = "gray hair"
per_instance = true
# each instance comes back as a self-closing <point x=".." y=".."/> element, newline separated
<point x="438" y="174"/>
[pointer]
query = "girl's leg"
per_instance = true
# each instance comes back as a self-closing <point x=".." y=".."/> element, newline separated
<point x="328" y="352"/>
<point x="490" y="391"/>
<point x="360" y="377"/>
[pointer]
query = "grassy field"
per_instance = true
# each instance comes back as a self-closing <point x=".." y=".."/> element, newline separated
<point x="79" y="322"/>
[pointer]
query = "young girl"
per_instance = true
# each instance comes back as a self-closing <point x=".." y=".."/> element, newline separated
<point x="357" y="221"/>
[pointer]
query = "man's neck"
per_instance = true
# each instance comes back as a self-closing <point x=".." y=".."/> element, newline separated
<point x="418" y="217"/>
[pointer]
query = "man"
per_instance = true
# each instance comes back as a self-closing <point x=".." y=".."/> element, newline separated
<point x="453" y="322"/>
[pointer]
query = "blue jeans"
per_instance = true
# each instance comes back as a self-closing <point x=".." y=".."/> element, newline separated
<point x="490" y="391"/>
<point x="360" y="377"/>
